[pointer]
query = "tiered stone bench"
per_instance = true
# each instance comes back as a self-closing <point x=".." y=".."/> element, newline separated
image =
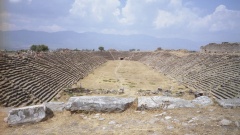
<point x="216" y="74"/>
<point x="32" y="80"/>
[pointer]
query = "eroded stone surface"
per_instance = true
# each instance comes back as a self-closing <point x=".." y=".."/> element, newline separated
<point x="29" y="114"/>
<point x="162" y="102"/>
<point x="98" y="103"/>
<point x="229" y="103"/>
<point x="55" y="106"/>
<point x="202" y="101"/>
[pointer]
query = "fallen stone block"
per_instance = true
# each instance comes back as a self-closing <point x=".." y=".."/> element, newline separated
<point x="202" y="101"/>
<point x="29" y="114"/>
<point x="163" y="102"/>
<point x="229" y="103"/>
<point x="98" y="104"/>
<point x="55" y="106"/>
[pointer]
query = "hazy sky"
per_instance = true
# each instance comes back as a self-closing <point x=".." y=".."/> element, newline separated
<point x="210" y="20"/>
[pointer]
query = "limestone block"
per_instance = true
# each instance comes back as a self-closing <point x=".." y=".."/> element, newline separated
<point x="98" y="103"/>
<point x="29" y="114"/>
<point x="229" y="103"/>
<point x="55" y="106"/>
<point x="162" y="102"/>
<point x="202" y="101"/>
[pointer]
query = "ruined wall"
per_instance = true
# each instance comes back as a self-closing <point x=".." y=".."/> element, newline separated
<point x="224" y="47"/>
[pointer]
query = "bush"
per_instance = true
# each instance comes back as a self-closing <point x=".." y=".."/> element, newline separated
<point x="39" y="48"/>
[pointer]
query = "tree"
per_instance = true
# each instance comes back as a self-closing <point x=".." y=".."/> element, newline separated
<point x="39" y="48"/>
<point x="159" y="49"/>
<point x="101" y="48"/>
<point x="131" y="50"/>
<point x="33" y="48"/>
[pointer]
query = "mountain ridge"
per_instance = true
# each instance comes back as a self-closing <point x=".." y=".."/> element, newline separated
<point x="23" y="39"/>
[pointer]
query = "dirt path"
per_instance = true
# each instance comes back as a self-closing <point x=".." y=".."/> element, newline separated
<point x="118" y="76"/>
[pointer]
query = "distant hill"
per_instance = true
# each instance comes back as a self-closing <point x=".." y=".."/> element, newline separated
<point x="23" y="39"/>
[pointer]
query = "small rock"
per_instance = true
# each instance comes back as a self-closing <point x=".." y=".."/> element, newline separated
<point x="98" y="114"/>
<point x="85" y="117"/>
<point x="198" y="111"/>
<point x="184" y="124"/>
<point x="237" y="123"/>
<point x="193" y="119"/>
<point x="190" y="121"/>
<point x="176" y="121"/>
<point x="104" y="128"/>
<point x="82" y="115"/>
<point x="96" y="117"/>
<point x="137" y="111"/>
<point x="168" y="117"/>
<point x="112" y="123"/>
<point x="119" y="125"/>
<point x="154" y="120"/>
<point x="161" y="114"/>
<point x="101" y="119"/>
<point x="143" y="112"/>
<point x="225" y="122"/>
<point x="211" y="110"/>
<point x="170" y="127"/>
<point x="5" y="119"/>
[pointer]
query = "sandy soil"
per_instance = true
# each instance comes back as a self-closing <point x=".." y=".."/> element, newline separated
<point x="132" y="76"/>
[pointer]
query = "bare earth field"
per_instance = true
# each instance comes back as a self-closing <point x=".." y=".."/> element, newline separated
<point x="132" y="76"/>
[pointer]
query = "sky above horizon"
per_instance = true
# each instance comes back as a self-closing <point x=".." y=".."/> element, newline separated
<point x="202" y="20"/>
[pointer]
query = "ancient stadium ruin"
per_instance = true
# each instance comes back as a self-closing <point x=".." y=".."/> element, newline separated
<point x="120" y="92"/>
<point x="32" y="79"/>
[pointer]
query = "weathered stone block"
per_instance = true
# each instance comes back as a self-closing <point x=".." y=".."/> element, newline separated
<point x="55" y="106"/>
<point x="162" y="102"/>
<point x="98" y="104"/>
<point x="29" y="114"/>
<point x="229" y="103"/>
<point x="202" y="101"/>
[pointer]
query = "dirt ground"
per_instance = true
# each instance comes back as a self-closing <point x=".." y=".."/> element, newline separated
<point x="132" y="76"/>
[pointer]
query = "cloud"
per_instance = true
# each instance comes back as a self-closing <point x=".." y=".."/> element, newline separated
<point x="140" y="12"/>
<point x="95" y="9"/>
<point x="221" y="19"/>
<point x="161" y="18"/>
